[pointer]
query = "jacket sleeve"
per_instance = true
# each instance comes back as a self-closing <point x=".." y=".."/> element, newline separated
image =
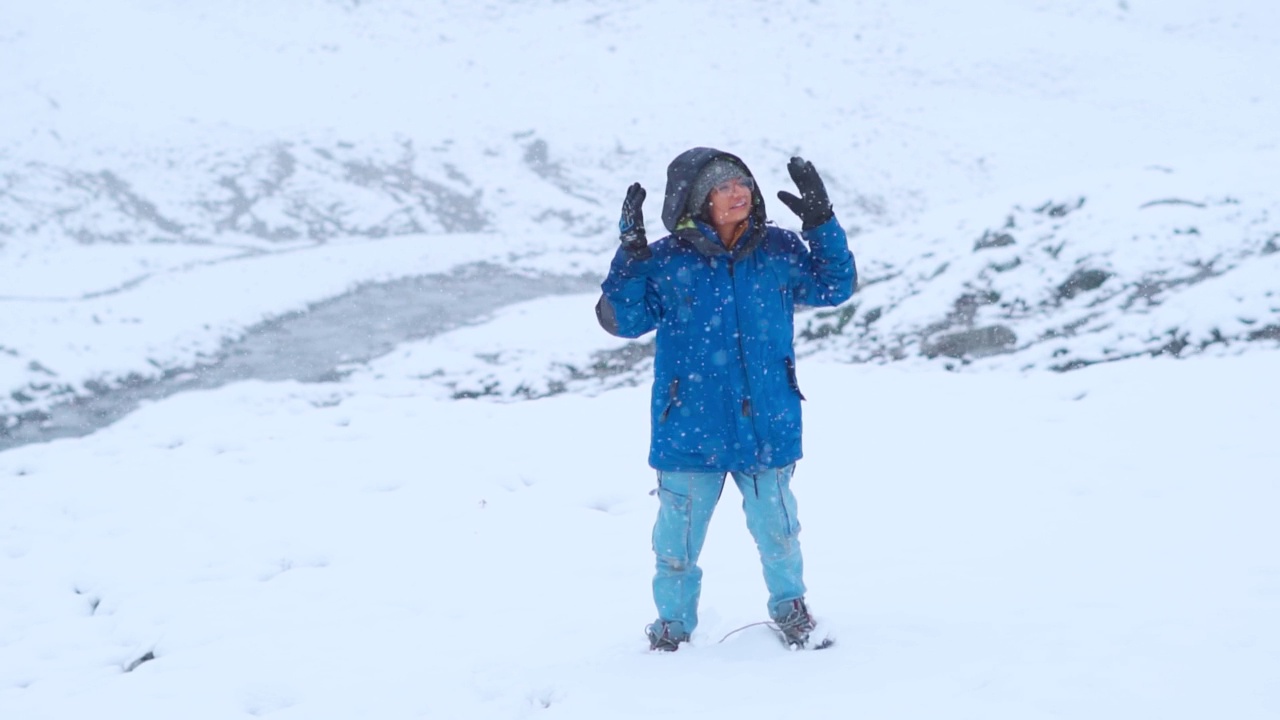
<point x="825" y="273"/>
<point x="630" y="305"/>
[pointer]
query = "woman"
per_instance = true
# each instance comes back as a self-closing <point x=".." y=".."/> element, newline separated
<point x="721" y="291"/>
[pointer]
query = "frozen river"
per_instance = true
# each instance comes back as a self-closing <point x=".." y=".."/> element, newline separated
<point x="315" y="345"/>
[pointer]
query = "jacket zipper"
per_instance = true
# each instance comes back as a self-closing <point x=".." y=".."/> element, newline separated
<point x="742" y="354"/>
<point x="673" y="400"/>
<point x="791" y="376"/>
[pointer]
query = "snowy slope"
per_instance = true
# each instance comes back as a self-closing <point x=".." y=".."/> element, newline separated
<point x="197" y="148"/>
<point x="1096" y="544"/>
<point x="1151" y="262"/>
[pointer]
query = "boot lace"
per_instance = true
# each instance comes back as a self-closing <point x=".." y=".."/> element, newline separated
<point x="797" y="624"/>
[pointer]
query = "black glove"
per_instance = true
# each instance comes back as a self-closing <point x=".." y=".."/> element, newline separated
<point x="813" y="206"/>
<point x="631" y="224"/>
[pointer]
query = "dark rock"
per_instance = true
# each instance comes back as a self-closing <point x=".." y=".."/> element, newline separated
<point x="1171" y="201"/>
<point x="1177" y="343"/>
<point x="1082" y="281"/>
<point x="1006" y="267"/>
<point x="625" y="359"/>
<point x="829" y="322"/>
<point x="993" y="240"/>
<point x="1076" y="364"/>
<point x="1270" y="332"/>
<point x="966" y="306"/>
<point x="146" y="657"/>
<point x="1056" y="210"/>
<point x="978" y="342"/>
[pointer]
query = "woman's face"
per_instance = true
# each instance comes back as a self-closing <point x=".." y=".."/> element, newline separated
<point x="729" y="203"/>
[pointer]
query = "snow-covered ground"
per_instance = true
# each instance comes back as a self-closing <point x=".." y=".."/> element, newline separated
<point x="1096" y="544"/>
<point x="1029" y="186"/>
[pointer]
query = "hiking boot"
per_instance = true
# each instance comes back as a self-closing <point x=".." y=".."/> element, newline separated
<point x="796" y="624"/>
<point x="663" y="637"/>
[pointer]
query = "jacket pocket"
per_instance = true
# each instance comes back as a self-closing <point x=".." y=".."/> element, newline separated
<point x="791" y="376"/>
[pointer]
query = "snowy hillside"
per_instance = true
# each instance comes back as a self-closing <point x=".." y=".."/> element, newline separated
<point x="171" y="184"/>
<point x="1152" y="263"/>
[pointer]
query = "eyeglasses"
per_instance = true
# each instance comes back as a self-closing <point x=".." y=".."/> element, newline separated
<point x="739" y="182"/>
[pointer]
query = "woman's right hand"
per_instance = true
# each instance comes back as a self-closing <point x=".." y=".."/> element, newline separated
<point x="631" y="223"/>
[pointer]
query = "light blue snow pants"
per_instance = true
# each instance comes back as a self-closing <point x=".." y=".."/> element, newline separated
<point x="687" y="501"/>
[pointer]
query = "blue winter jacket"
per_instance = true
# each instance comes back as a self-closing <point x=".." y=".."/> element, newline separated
<point x="725" y="395"/>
